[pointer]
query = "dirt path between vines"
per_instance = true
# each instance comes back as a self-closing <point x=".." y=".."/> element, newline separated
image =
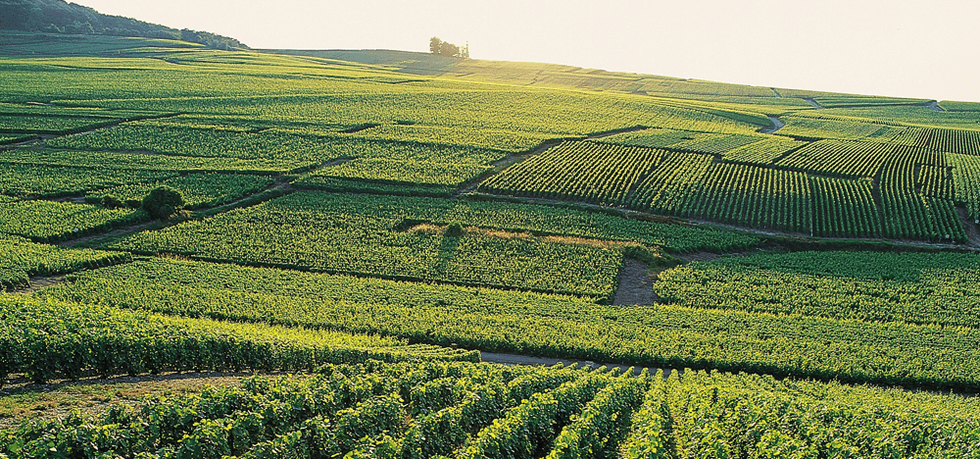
<point x="635" y="284"/>
<point x="810" y="101"/>
<point x="116" y="232"/>
<point x="516" y="359"/>
<point x="776" y="125"/>
<point x="934" y="106"/>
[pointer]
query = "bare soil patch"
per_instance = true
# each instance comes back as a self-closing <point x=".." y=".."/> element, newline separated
<point x="970" y="225"/>
<point x="814" y="103"/>
<point x="776" y="125"/>
<point x="41" y="282"/>
<point x="635" y="284"/>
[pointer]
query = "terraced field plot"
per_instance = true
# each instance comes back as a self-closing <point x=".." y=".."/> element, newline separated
<point x="49" y="221"/>
<point x="369" y="236"/>
<point x="825" y="188"/>
<point x="198" y="190"/>
<point x="24" y="258"/>
<point x="19" y="179"/>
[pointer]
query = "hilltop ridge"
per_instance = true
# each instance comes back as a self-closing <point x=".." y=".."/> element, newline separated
<point x="61" y="17"/>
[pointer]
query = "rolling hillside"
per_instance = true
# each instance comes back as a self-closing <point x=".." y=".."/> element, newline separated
<point x="796" y="269"/>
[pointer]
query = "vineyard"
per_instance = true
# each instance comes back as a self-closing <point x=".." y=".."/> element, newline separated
<point x="766" y="272"/>
<point x="682" y="140"/>
<point x="340" y="234"/>
<point x="65" y="162"/>
<point x="966" y="182"/>
<point x="826" y="188"/>
<point x="48" y="340"/>
<point x="851" y="159"/>
<point x="596" y="173"/>
<point x="680" y="332"/>
<point x="441" y="178"/>
<point x="764" y="151"/>
<point x="843" y="208"/>
<point x="374" y="409"/>
<point x="20" y="179"/>
<point x="15" y="124"/>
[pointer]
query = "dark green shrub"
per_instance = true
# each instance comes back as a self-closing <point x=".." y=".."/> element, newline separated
<point x="162" y="202"/>
<point x="110" y="201"/>
<point x="455" y="229"/>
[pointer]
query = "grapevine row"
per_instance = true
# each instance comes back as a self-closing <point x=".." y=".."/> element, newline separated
<point x="23" y="258"/>
<point x="855" y="159"/>
<point x="362" y="411"/>
<point x="45" y="340"/>
<point x="966" y="182"/>
<point x="667" y="188"/>
<point x="960" y="141"/>
<point x="55" y="181"/>
<point x="322" y="232"/>
<point x="50" y="221"/>
<point x="936" y="288"/>
<point x="665" y="335"/>
<point x="755" y="197"/>
<point x="910" y="215"/>
<point x="935" y="182"/>
<point x="764" y="151"/>
<point x="844" y="208"/>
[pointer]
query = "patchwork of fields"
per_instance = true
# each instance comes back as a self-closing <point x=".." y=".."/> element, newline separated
<point x="374" y="230"/>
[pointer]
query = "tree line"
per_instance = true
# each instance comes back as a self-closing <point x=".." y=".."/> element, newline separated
<point x="58" y="16"/>
<point x="444" y="48"/>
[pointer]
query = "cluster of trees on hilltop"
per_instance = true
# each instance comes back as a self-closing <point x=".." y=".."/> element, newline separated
<point x="58" y="16"/>
<point x="444" y="48"/>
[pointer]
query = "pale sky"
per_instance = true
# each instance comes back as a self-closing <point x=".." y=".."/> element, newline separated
<point x="922" y="49"/>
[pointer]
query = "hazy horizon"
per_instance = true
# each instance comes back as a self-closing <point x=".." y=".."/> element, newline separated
<point x="888" y="48"/>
